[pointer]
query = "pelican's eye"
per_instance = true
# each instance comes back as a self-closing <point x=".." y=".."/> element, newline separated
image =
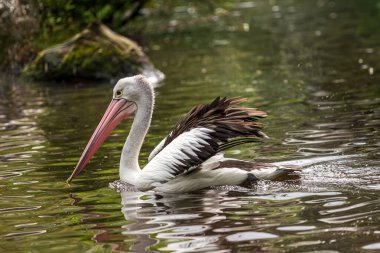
<point x="118" y="93"/>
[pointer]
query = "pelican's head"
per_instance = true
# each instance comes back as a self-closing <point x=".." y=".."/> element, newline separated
<point x="135" y="89"/>
<point x="128" y="94"/>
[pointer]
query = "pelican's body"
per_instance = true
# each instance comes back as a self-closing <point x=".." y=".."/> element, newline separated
<point x="188" y="159"/>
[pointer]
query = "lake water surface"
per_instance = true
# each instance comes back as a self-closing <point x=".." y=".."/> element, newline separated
<point x="312" y="65"/>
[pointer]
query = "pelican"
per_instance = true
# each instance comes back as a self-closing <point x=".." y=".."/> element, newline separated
<point x="189" y="158"/>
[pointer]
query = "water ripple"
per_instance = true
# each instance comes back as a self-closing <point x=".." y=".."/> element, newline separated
<point x="350" y="217"/>
<point x="18" y="209"/>
<point x="21" y="234"/>
<point x="249" y="236"/>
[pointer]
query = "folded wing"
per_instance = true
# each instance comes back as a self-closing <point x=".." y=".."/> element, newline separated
<point x="203" y="132"/>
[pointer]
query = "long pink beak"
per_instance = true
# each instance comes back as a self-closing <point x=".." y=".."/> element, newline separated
<point x="117" y="110"/>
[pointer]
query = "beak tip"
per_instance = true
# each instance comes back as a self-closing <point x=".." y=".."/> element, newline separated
<point x="68" y="181"/>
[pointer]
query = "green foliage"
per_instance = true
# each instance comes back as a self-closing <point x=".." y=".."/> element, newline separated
<point x="57" y="13"/>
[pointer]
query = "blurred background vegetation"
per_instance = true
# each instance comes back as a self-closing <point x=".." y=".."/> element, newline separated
<point x="28" y="26"/>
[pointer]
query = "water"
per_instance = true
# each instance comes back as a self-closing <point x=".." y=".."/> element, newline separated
<point x="312" y="65"/>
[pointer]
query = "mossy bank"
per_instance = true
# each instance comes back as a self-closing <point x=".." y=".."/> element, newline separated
<point x="96" y="53"/>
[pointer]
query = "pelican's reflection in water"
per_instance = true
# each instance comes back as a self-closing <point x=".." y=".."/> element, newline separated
<point x="171" y="222"/>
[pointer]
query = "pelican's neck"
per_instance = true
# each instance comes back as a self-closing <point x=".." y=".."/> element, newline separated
<point x="129" y="161"/>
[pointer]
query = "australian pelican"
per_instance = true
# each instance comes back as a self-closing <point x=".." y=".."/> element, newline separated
<point x="189" y="157"/>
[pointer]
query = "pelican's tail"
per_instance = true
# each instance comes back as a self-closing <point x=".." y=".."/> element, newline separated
<point x="276" y="173"/>
<point x="260" y="170"/>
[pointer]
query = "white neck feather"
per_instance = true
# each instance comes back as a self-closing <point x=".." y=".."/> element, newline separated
<point x="129" y="161"/>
